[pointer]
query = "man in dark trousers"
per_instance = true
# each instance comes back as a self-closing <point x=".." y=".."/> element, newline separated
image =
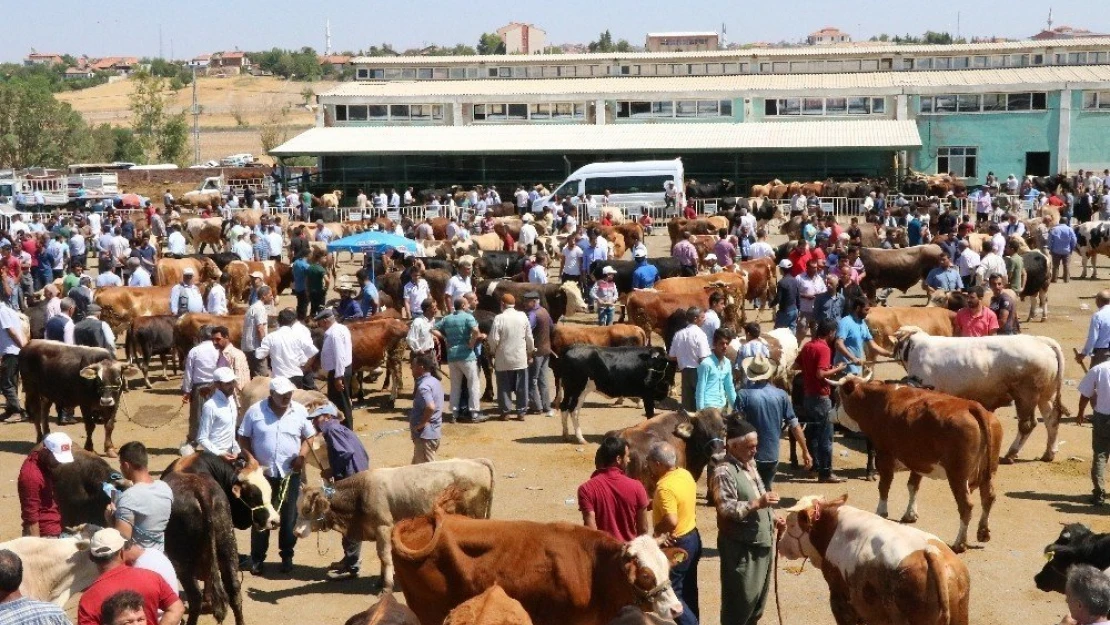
<point x="93" y="332"/>
<point x="815" y="363"/>
<point x="346" y="457"/>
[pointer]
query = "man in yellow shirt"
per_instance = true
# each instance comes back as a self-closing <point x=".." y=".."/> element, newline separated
<point x="673" y="509"/>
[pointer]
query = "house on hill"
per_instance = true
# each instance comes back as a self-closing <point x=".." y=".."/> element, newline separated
<point x="41" y="58"/>
<point x="229" y="63"/>
<point x="121" y="65"/>
<point x="338" y="62"/>
<point x="200" y="61"/>
<point x="522" y="38"/>
<point x="828" y="36"/>
<point x="77" y="73"/>
<point x="1066" y="32"/>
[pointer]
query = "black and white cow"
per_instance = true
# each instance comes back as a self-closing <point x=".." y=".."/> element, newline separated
<point x="1094" y="239"/>
<point x="1076" y="544"/>
<point x="643" y="372"/>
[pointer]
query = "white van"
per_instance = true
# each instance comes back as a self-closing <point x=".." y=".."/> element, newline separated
<point x="635" y="182"/>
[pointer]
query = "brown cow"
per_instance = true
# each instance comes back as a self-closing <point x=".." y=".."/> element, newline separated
<point x="899" y="269"/>
<point x="276" y="274"/>
<point x="562" y="574"/>
<point x="120" y="304"/>
<point x="629" y="232"/>
<point x="492" y="607"/>
<point x="559" y="299"/>
<point x="168" y="271"/>
<point x="565" y="335"/>
<point x="187" y="335"/>
<point x="651" y="310"/>
<point x="884" y="321"/>
<point x="387" y="611"/>
<point x="697" y="439"/>
<point x="679" y="225"/>
<point x="930" y="433"/>
<point x="762" y="282"/>
<point x="200" y="232"/>
<point x="437" y="279"/>
<point x="379" y="341"/>
<point x="150" y="336"/>
<point x="693" y="284"/>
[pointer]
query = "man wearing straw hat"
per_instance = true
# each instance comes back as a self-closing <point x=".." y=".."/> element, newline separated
<point x="348" y="307"/>
<point x="744" y="525"/>
<point x="768" y="408"/>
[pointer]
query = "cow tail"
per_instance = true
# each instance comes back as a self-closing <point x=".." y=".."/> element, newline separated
<point x="492" y="474"/>
<point x="215" y="582"/>
<point x="129" y="344"/>
<point x="938" y="575"/>
<point x="1058" y="403"/>
<point x="988" y="454"/>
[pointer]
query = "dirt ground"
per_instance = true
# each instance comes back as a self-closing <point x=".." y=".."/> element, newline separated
<point x="538" y="474"/>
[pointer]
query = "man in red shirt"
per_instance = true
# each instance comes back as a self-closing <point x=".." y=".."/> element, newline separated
<point x="37" y="505"/>
<point x="815" y="363"/>
<point x="799" y="257"/>
<point x="611" y="501"/>
<point x="975" y="319"/>
<point x="106" y="551"/>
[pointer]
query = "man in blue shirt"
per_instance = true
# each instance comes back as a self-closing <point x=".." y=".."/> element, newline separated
<point x="715" y="389"/>
<point x="459" y="332"/>
<point x="1061" y="244"/>
<point x="769" y="409"/>
<point x="852" y="334"/>
<point x="1098" y="332"/>
<point x="943" y="278"/>
<point x="646" y="274"/>
<point x="300" y="284"/>
<point x="913" y="229"/>
<point x="426" y="415"/>
<point x="346" y="457"/>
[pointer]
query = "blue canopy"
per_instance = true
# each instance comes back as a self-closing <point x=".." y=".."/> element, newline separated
<point x="372" y="242"/>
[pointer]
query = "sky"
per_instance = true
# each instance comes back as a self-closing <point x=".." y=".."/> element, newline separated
<point x="191" y="27"/>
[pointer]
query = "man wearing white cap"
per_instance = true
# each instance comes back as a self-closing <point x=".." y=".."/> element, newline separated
<point x="346" y="457"/>
<point x="216" y="430"/>
<point x="185" y="297"/>
<point x="788" y="298"/>
<point x="106" y="551"/>
<point x="255" y="325"/>
<point x="37" y="505"/>
<point x="275" y="431"/>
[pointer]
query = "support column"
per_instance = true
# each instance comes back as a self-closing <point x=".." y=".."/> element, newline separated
<point x="456" y="114"/>
<point x="1063" y="133"/>
<point x="901" y="107"/>
<point x="599" y="113"/>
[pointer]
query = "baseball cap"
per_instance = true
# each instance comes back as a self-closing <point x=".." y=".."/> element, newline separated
<point x="608" y="269"/>
<point x="188" y="271"/>
<point x="106" y="542"/>
<point x="785" y="264"/>
<point x="92" y="309"/>
<point x="710" y="257"/>
<point x="531" y="295"/>
<point x="639" y="254"/>
<point x="326" y="409"/>
<point x="258" y="274"/>
<point x="60" y="445"/>
<point x="281" y="386"/>
<point x="224" y="374"/>
<point x="326" y="313"/>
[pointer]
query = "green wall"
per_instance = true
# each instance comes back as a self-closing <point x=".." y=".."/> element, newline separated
<point x="1090" y="137"/>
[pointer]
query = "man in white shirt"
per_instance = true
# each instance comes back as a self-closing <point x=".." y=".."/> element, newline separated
<point x="255" y="325"/>
<point x="810" y="285"/>
<point x="537" y="274"/>
<point x="175" y="243"/>
<point x="407" y="199"/>
<point x="243" y="248"/>
<point x="967" y="262"/>
<point x="18" y="226"/>
<point x="361" y="201"/>
<point x="185" y="296"/>
<point x="139" y="275"/>
<point x="394" y="199"/>
<point x="11" y="341"/>
<point x="107" y="278"/>
<point x="286" y="348"/>
<point x="521" y="200"/>
<point x="599" y="251"/>
<point x="420" y="337"/>
<point x="274" y="431"/>
<point x="688" y="348"/>
<point x="1095" y="386"/>
<point x="217" y="295"/>
<point x="511" y="343"/>
<point x="528" y="234"/>
<point x="416" y="291"/>
<point x="199" y="372"/>
<point x="748" y="219"/>
<point x="336" y="359"/>
<point x="761" y="248"/>
<point x="460" y="283"/>
<point x="275" y="242"/>
<point x="216" y="430"/>
<point x="380" y="200"/>
<point x="571" y="268"/>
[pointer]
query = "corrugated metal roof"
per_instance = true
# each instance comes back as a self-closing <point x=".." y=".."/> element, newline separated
<point x="839" y="134"/>
<point x="599" y="87"/>
<point x="862" y="48"/>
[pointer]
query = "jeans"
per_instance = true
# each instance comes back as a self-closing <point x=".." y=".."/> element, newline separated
<point x="342" y="398"/>
<point x="1100" y="446"/>
<point x="302" y="303"/>
<point x="539" y="391"/>
<point x="819" y="432"/>
<point x="9" y="379"/>
<point x="689" y="390"/>
<point x="352" y="553"/>
<point x="604" y="315"/>
<point x="258" y="366"/>
<point x="766" y="471"/>
<point x="464" y="373"/>
<point x="509" y="382"/>
<point x="684" y="578"/>
<point x="287" y="540"/>
<point x="787" y="319"/>
<point x="317" y="301"/>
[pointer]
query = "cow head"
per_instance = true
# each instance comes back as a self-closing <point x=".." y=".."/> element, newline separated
<point x="796" y="542"/>
<point x="313" y="512"/>
<point x="704" y="434"/>
<point x="1060" y="556"/>
<point x="902" y="341"/>
<point x="647" y="570"/>
<point x="660" y="371"/>
<point x="252" y="491"/>
<point x="209" y="270"/>
<point x="108" y="376"/>
<point x="575" y="302"/>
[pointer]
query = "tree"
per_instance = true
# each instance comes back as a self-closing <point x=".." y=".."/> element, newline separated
<point x="159" y="133"/>
<point x="36" y="129"/>
<point x="272" y="133"/>
<point x="490" y="43"/>
<point x="173" y="139"/>
<point x="604" y="43"/>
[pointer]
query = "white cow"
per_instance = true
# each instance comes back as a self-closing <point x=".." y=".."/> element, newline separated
<point x="1094" y="239"/>
<point x="366" y="505"/>
<point x="783" y="347"/>
<point x="995" y="371"/>
<point x="55" y="569"/>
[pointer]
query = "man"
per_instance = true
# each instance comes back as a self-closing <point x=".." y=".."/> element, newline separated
<point x="714" y="387"/>
<point x="543" y="329"/>
<point x="317" y="282"/>
<point x="528" y="234"/>
<point x="745" y="525"/>
<point x="943" y="278"/>
<point x="151" y="560"/>
<point x="724" y="249"/>
<point x="199" y="373"/>
<point x="611" y="501"/>
<point x="217" y="295"/>
<point x="139" y="275"/>
<point x="852" y="333"/>
<point x="686" y="254"/>
<point x="300" y="282"/>
<point x="175" y="243"/>
<point x="967" y="262"/>
<point x="346" y="457"/>
<point x="288" y="350"/>
<point x="185" y="297"/>
<point x="646" y="274"/>
<point x="815" y="363"/>
<point x="216" y="430"/>
<point x="673" y="510"/>
<point x="15" y="609"/>
<point x="511" y="344"/>
<point x="761" y="248"/>
<point x="1088" y="595"/>
<point x="769" y="409"/>
<point x="255" y="326"/>
<point x="1094" y="388"/>
<point x="975" y="319"/>
<point x="1061" y="244"/>
<point x="275" y="431"/>
<point x="11" y="342"/>
<point x="106" y="551"/>
<point x="1004" y="306"/>
<point x="142" y="511"/>
<point x="688" y="348"/>
<point x="92" y="332"/>
<point x="82" y="296"/>
<point x="570" y="268"/>
<point x="712" y="318"/>
<point x="426" y="415"/>
<point x="830" y="304"/>
<point x="1015" y="263"/>
<point x="810" y="285"/>
<point x="461" y="283"/>
<point x="787" y="298"/>
<point x="37" y="505"/>
<point x="416" y="290"/>
<point x="459" y="332"/>
<point x="1098" y="332"/>
<point x="336" y="357"/>
<point x="991" y="265"/>
<point x="420" y="337"/>
<point x="107" y="278"/>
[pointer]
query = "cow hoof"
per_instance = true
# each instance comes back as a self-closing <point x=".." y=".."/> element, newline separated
<point x="871" y="477"/>
<point x="111" y="452"/>
<point x="909" y="519"/>
<point x="1048" y="456"/>
<point x="984" y="535"/>
<point x="580" y="440"/>
<point x="1006" y="460"/>
<point x="959" y="548"/>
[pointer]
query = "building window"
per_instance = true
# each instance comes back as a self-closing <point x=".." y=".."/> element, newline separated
<point x="960" y="161"/>
<point x="439" y="73"/>
<point x="378" y="111"/>
<point x="855" y="105"/>
<point x="813" y="106"/>
<point x="878" y="106"/>
<point x="967" y="103"/>
<point x="491" y="72"/>
<point x="869" y="65"/>
<point x="356" y="113"/>
<point x="362" y="73"/>
<point x="836" y="106"/>
<point x="859" y="106"/>
<point x="399" y="111"/>
<point x="1096" y="100"/>
<point x="539" y="111"/>
<point x="424" y="73"/>
<point x="520" y="71"/>
<point x="341" y="111"/>
<point x="408" y="73"/>
<point x="457" y="73"/>
<point x="985" y="103"/>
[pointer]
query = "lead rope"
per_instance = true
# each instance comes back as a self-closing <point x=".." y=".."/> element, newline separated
<point x="778" y="601"/>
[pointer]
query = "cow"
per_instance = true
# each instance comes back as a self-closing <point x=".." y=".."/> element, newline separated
<point x="761" y="282"/>
<point x="492" y="607"/>
<point x="276" y="274"/>
<point x="693" y="284"/>
<point x="200" y="232"/>
<point x="120" y="304"/>
<point x="222" y="259"/>
<point x="437" y="279"/>
<point x="1037" y="279"/>
<point x="79" y="487"/>
<point x="387" y="611"/>
<point x="885" y="321"/>
<point x="259" y="388"/>
<point x="1025" y="370"/>
<point x="150" y="336"/>
<point x="676" y="227"/>
<point x="898" y="268"/>
<point x="55" y="569"/>
<point x="188" y="330"/>
<point x="200" y="542"/>
<point x="643" y="372"/>
<point x="782" y="347"/>
<point x="651" y="310"/>
<point x="1077" y="544"/>
<point x="367" y="505"/>
<point x="498" y="265"/>
<point x="243" y="483"/>
<point x="668" y="267"/>
<point x="168" y="271"/>
<point x="375" y="341"/>
<point x="933" y="435"/>
<point x="877" y="571"/>
<point x="559" y="299"/>
<point x="1094" y="239"/>
<point x="697" y="439"/>
<point x="73" y="376"/>
<point x="629" y="233"/>
<point x="566" y="335"/>
<point x="562" y="573"/>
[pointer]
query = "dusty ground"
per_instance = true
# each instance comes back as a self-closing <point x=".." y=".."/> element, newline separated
<point x="537" y="477"/>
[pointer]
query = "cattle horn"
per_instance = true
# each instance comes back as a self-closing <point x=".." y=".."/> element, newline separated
<point x="839" y="382"/>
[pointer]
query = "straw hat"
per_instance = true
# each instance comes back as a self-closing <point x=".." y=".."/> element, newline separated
<point x="757" y="368"/>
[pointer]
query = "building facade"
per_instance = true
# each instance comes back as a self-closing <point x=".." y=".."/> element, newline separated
<point x="682" y="42"/>
<point x="522" y="38"/>
<point x="828" y="36"/>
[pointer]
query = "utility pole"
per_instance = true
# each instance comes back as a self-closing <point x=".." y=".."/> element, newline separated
<point x="327" y="38"/>
<point x="160" y="42"/>
<point x="195" y="110"/>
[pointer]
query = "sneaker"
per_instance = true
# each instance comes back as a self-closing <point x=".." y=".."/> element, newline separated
<point x="831" y="479"/>
<point x="258" y="569"/>
<point x="286" y="565"/>
<point x="475" y="417"/>
<point x="342" y="573"/>
<point x="549" y="414"/>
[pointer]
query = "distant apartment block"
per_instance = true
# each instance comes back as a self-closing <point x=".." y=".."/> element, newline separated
<point x="41" y="58"/>
<point x="682" y="42"/>
<point x="1066" y="32"/>
<point x="522" y="38"/>
<point x="828" y="36"/>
